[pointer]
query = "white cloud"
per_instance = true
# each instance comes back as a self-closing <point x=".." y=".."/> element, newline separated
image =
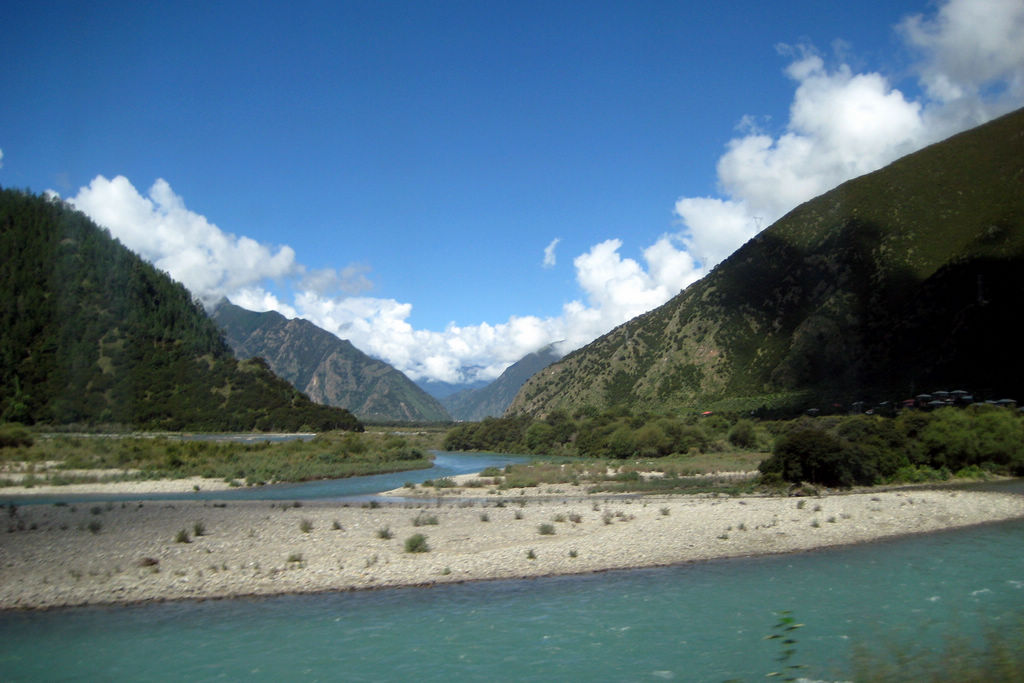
<point x="844" y="124"/>
<point x="549" y="253"/>
<point x="1" y="158"/>
<point x="841" y="124"/>
<point x="207" y="260"/>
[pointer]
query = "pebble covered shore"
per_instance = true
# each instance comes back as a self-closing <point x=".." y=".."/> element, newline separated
<point x="77" y="554"/>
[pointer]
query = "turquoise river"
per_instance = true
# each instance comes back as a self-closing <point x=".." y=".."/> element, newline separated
<point x="697" y="622"/>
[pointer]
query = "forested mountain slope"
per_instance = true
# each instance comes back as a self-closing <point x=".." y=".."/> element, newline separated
<point x="903" y="280"/>
<point x="328" y="369"/>
<point x="90" y="334"/>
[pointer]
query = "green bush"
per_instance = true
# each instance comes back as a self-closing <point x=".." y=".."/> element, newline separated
<point x="13" y="435"/>
<point x="423" y="519"/>
<point x="743" y="435"/>
<point x="417" y="543"/>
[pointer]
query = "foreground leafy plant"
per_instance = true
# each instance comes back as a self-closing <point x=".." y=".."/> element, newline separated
<point x="783" y="632"/>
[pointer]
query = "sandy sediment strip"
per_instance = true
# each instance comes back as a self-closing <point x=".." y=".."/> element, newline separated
<point x="128" y="487"/>
<point x="54" y="555"/>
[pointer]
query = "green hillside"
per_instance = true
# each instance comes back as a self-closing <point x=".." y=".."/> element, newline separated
<point x="90" y="334"/>
<point x="328" y="369"/>
<point x="904" y="280"/>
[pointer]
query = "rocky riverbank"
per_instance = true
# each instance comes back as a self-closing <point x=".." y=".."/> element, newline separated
<point x="57" y="555"/>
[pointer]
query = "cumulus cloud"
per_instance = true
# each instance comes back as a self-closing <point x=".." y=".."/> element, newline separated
<point x="1" y="158"/>
<point x="549" y="253"/>
<point x="841" y="124"/>
<point x="844" y="124"/>
<point x="158" y="226"/>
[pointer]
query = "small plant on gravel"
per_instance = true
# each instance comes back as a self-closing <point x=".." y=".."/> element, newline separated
<point x="296" y="558"/>
<point x="519" y="514"/>
<point x="832" y="519"/>
<point x="182" y="537"/>
<point x="417" y="543"/>
<point x="815" y="523"/>
<point x="424" y="520"/>
<point x="148" y="562"/>
<point x="385" y="533"/>
<point x="559" y="518"/>
<point x="484" y="517"/>
<point x="665" y="511"/>
<point x="573" y="553"/>
<point x="95" y="525"/>
<point x="95" y="509"/>
<point x="800" y="504"/>
<point x="530" y="555"/>
<point x="607" y="517"/>
<point x="575" y="517"/>
<point x="336" y="525"/>
<point x="199" y="529"/>
<point x="306" y="525"/>
<point x="546" y="529"/>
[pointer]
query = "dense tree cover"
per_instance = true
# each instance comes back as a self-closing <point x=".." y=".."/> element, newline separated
<point x="613" y="433"/>
<point x="92" y="334"/>
<point x="833" y="450"/>
<point x="864" y="450"/>
<point x="328" y="455"/>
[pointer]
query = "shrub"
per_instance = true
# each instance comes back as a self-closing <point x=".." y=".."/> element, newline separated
<point x="546" y="529"/>
<point x="199" y="529"/>
<point x="423" y="519"/>
<point x="743" y="435"/>
<point x="13" y="435"/>
<point x="816" y="456"/>
<point x="182" y="537"/>
<point x="306" y="525"/>
<point x="95" y="525"/>
<point x="417" y="543"/>
<point x="385" y="533"/>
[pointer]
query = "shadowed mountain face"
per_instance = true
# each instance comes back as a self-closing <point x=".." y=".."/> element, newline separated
<point x="493" y="399"/>
<point x="330" y="370"/>
<point x="903" y="280"/>
<point x="90" y="334"/>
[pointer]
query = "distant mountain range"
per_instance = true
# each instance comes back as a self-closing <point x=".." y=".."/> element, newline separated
<point x="493" y="399"/>
<point x="330" y="370"/>
<point x="904" y="280"/>
<point x="92" y="335"/>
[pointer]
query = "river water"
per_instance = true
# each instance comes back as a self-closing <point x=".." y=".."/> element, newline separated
<point x="703" y="622"/>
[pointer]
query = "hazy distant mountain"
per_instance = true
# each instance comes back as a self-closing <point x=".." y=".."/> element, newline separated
<point x="907" y="279"/>
<point x="492" y="400"/>
<point x="441" y="390"/>
<point x="90" y="334"/>
<point x="330" y="370"/>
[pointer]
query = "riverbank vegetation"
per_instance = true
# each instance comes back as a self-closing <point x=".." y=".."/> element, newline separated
<point x="839" y="451"/>
<point x="65" y="459"/>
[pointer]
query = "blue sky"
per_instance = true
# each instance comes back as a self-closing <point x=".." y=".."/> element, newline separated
<point x="394" y="171"/>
